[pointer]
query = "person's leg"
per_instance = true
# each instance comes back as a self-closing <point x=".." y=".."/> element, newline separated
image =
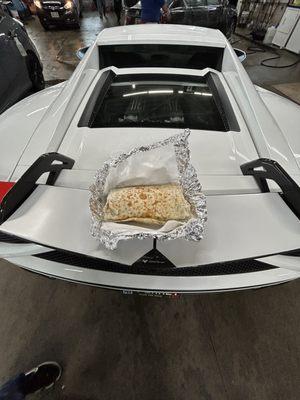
<point x="13" y="389"/>
<point x="100" y="8"/>
<point x="118" y="9"/>
<point x="39" y="378"/>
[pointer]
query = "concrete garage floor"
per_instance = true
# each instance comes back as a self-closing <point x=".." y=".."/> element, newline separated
<point x="284" y="81"/>
<point x="57" y="47"/>
<point x="229" y="346"/>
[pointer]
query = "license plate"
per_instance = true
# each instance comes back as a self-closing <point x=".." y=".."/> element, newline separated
<point x="54" y="15"/>
<point x="153" y="294"/>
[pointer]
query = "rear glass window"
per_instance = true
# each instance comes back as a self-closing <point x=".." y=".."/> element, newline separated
<point x="159" y="102"/>
<point x="160" y="55"/>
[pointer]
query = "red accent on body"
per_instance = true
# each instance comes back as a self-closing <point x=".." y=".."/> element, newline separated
<point x="4" y="188"/>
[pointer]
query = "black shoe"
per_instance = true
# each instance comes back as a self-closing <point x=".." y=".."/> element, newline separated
<point x="42" y="377"/>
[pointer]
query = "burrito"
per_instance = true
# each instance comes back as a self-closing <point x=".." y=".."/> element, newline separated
<point x="147" y="204"/>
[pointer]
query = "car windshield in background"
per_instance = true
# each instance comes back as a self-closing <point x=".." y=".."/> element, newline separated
<point x="159" y="103"/>
<point x="160" y="55"/>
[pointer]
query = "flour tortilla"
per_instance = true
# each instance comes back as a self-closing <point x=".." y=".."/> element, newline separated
<point x="147" y="204"/>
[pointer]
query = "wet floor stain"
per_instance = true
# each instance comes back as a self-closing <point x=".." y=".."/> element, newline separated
<point x="57" y="47"/>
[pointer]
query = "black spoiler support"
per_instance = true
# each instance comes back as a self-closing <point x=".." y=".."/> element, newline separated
<point x="52" y="163"/>
<point x="263" y="169"/>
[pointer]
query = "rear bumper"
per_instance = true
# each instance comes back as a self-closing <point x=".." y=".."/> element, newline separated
<point x="209" y="279"/>
<point x="157" y="284"/>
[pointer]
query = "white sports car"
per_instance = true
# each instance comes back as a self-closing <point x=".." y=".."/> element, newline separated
<point x="137" y="85"/>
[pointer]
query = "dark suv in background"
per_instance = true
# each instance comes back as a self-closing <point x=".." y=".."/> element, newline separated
<point x="58" y="12"/>
<point x="217" y="14"/>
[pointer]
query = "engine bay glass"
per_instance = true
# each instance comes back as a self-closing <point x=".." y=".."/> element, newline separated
<point x="160" y="103"/>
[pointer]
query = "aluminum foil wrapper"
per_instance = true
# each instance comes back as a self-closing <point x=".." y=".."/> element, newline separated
<point x="186" y="176"/>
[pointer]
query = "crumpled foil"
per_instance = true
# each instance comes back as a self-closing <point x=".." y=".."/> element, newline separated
<point x="190" y="230"/>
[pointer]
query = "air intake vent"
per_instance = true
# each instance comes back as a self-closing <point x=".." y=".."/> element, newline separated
<point x="5" y="238"/>
<point x="155" y="264"/>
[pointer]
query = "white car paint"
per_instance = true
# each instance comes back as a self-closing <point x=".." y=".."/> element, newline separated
<point x="243" y="222"/>
<point x="18" y="125"/>
<point x="287" y="117"/>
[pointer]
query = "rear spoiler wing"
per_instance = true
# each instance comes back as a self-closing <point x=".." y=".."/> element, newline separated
<point x="52" y="163"/>
<point x="80" y="249"/>
<point x="263" y="169"/>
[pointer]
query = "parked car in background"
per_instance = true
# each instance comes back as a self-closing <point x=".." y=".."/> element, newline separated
<point x="58" y="12"/>
<point x="216" y="14"/>
<point x="20" y="66"/>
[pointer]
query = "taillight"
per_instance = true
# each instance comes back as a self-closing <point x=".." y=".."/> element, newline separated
<point x="4" y="188"/>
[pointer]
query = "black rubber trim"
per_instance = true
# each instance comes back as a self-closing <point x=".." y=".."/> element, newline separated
<point x="95" y="101"/>
<point x="139" y="268"/>
<point x="5" y="238"/>
<point x="52" y="163"/>
<point x="223" y="102"/>
<point x="263" y="169"/>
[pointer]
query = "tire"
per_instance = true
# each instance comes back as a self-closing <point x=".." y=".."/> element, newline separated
<point x="76" y="17"/>
<point x="45" y="25"/>
<point x="80" y="8"/>
<point x="77" y="23"/>
<point x="35" y="73"/>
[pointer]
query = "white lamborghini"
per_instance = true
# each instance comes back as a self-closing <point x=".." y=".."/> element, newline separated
<point x="137" y="85"/>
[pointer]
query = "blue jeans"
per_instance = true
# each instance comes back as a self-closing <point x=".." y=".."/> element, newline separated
<point x="13" y="389"/>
